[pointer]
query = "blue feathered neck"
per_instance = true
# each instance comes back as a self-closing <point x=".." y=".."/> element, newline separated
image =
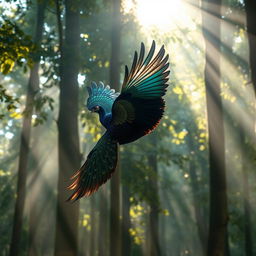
<point x="104" y="97"/>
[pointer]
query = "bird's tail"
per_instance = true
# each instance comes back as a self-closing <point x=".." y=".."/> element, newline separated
<point x="97" y="169"/>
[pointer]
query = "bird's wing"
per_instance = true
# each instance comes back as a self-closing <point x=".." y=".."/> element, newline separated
<point x="139" y="107"/>
<point x="97" y="169"/>
<point x="148" y="77"/>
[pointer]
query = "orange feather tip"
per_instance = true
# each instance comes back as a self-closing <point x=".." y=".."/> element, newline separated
<point x="81" y="192"/>
<point x="73" y="198"/>
<point x="75" y="174"/>
<point x="73" y="185"/>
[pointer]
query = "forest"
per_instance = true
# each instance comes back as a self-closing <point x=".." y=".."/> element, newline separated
<point x="186" y="189"/>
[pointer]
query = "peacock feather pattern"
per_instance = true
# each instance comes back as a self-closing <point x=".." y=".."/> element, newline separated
<point x="101" y="95"/>
<point x="127" y="116"/>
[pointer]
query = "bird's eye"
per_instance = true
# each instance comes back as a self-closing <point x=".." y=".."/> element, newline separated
<point x="96" y="109"/>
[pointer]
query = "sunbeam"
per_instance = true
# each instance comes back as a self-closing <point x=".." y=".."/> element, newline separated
<point x="168" y="195"/>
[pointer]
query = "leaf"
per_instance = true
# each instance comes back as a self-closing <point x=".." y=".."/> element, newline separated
<point x="7" y="66"/>
<point x="16" y="115"/>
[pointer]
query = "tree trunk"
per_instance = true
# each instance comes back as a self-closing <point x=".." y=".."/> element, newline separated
<point x="103" y="224"/>
<point x="126" y="222"/>
<point x="66" y="235"/>
<point x="115" y="223"/>
<point x="250" y="9"/>
<point x="246" y="196"/>
<point x="34" y="185"/>
<point x="218" y="187"/>
<point x="247" y="212"/>
<point x="154" y="245"/>
<point x="200" y="219"/>
<point x="197" y="163"/>
<point x="115" y="226"/>
<point x="93" y="226"/>
<point x="33" y="86"/>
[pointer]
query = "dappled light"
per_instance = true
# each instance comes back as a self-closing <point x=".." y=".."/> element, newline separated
<point x="187" y="188"/>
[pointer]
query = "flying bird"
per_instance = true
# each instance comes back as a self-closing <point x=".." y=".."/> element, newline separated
<point x="127" y="116"/>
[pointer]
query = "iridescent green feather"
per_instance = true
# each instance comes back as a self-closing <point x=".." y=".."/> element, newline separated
<point x="147" y="79"/>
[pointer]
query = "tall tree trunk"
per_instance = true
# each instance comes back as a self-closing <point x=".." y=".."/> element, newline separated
<point x="247" y="212"/>
<point x="103" y="224"/>
<point x="115" y="225"/>
<point x="93" y="226"/>
<point x="246" y="195"/>
<point x="35" y="212"/>
<point x="196" y="162"/>
<point x="154" y="245"/>
<point x="66" y="235"/>
<point x="250" y="8"/>
<point x="33" y="86"/>
<point x="198" y="209"/>
<point x="126" y="222"/>
<point x="218" y="186"/>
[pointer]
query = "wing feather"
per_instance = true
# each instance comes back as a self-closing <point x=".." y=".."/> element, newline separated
<point x="145" y="72"/>
<point x="139" y="107"/>
<point x="95" y="171"/>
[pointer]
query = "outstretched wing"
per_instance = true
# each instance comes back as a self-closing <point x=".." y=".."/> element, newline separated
<point x="140" y="106"/>
<point x="97" y="169"/>
<point x="147" y="78"/>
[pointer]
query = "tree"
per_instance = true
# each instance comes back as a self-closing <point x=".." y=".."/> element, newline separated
<point x="68" y="138"/>
<point x="115" y="228"/>
<point x="250" y="7"/>
<point x="93" y="248"/>
<point x="194" y="165"/>
<point x="211" y="23"/>
<point x="126" y="221"/>
<point x="246" y="195"/>
<point x="154" y="246"/>
<point x="103" y="224"/>
<point x="32" y="88"/>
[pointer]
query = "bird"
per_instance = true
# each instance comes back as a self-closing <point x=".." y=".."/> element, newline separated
<point x="127" y="116"/>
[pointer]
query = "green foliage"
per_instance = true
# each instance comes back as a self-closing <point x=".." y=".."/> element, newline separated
<point x="8" y="100"/>
<point x="43" y="105"/>
<point x="6" y="205"/>
<point x="49" y="57"/>
<point x="15" y="47"/>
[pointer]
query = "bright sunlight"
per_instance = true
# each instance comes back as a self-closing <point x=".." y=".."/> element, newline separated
<point x="161" y="15"/>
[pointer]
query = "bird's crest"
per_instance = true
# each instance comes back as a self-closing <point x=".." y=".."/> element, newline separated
<point x="101" y="95"/>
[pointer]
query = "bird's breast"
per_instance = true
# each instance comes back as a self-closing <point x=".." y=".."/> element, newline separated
<point x="105" y="120"/>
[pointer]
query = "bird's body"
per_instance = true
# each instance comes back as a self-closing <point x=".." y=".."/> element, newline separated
<point x="127" y="116"/>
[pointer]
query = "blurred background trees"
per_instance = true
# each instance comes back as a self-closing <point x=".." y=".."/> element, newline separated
<point x="182" y="190"/>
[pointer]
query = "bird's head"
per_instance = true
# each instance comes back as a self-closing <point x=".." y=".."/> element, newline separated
<point x="101" y="98"/>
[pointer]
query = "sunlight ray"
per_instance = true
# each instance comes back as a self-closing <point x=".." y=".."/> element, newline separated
<point x="234" y="17"/>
